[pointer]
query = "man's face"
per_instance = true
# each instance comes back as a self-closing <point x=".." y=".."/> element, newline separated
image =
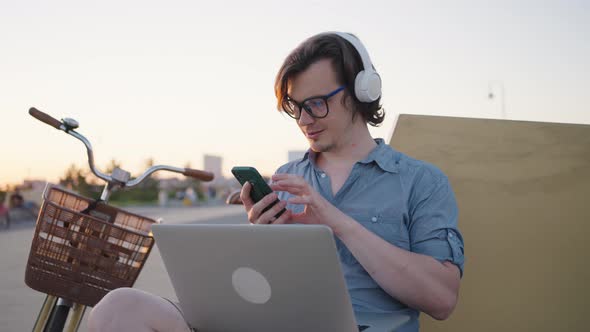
<point x="325" y="134"/>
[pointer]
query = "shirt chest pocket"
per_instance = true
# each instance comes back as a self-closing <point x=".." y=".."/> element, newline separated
<point x="389" y="227"/>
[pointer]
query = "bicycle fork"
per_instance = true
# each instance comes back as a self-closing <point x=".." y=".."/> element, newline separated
<point x="54" y="315"/>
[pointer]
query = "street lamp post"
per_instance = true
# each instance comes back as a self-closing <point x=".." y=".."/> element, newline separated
<point x="491" y="95"/>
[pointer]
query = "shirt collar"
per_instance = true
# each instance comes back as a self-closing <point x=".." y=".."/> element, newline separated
<point x="384" y="156"/>
<point x="309" y="158"/>
<point x="305" y="158"/>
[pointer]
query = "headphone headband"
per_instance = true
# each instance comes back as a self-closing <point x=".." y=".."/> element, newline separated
<point x="360" y="48"/>
<point x="367" y="83"/>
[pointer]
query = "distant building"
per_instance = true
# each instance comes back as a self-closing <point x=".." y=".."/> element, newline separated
<point x="213" y="164"/>
<point x="36" y="185"/>
<point x="296" y="155"/>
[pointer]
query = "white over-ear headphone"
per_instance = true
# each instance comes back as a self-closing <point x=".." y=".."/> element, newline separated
<point x="367" y="84"/>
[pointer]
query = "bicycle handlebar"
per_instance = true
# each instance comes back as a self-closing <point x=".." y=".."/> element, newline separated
<point x="194" y="173"/>
<point x="46" y="118"/>
<point x="43" y="117"/>
<point x="198" y="174"/>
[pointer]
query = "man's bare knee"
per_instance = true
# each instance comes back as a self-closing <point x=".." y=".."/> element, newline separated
<point x="126" y="309"/>
<point x="107" y="314"/>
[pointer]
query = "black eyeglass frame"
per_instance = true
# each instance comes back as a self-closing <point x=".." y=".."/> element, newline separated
<point x="302" y="105"/>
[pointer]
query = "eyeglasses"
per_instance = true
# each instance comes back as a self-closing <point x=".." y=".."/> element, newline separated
<point x="316" y="106"/>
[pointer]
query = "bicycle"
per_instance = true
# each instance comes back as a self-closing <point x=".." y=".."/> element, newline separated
<point x="83" y="248"/>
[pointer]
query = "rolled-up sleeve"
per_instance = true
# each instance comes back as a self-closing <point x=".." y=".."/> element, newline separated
<point x="433" y="223"/>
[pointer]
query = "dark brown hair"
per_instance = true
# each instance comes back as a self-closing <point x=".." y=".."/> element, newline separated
<point x="347" y="64"/>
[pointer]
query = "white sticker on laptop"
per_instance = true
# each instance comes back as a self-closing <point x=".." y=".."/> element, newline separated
<point x="251" y="285"/>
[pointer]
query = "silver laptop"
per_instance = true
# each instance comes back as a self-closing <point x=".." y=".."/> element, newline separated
<point x="256" y="277"/>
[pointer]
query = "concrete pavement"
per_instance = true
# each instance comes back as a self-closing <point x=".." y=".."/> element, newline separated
<point x="19" y="305"/>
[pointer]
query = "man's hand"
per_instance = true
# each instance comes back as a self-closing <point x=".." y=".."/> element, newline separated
<point x="254" y="210"/>
<point x="317" y="209"/>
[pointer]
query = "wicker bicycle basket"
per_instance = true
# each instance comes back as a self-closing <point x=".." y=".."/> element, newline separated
<point x="80" y="253"/>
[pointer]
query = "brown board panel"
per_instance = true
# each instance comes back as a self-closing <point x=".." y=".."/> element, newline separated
<point x="523" y="190"/>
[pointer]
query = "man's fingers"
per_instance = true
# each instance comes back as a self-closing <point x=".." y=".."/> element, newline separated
<point x="284" y="218"/>
<point x="261" y="205"/>
<point x="247" y="201"/>
<point x="270" y="198"/>
<point x="268" y="217"/>
<point x="300" y="218"/>
<point x="291" y="190"/>
<point x="245" y="196"/>
<point x="282" y="176"/>
<point x="292" y="187"/>
<point x="289" y="180"/>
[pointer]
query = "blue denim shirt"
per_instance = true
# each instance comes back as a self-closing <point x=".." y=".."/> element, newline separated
<point x="407" y="202"/>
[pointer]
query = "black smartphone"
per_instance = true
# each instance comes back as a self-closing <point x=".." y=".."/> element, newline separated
<point x="259" y="187"/>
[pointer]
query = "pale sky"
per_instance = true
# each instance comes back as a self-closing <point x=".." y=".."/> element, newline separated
<point x="174" y="80"/>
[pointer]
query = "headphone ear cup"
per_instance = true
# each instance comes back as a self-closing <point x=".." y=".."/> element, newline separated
<point x="367" y="86"/>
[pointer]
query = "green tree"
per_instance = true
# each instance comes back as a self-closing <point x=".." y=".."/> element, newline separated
<point x="75" y="179"/>
<point x="111" y="166"/>
<point x="145" y="192"/>
<point x="149" y="162"/>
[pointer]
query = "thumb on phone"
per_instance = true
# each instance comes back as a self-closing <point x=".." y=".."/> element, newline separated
<point x="245" y="196"/>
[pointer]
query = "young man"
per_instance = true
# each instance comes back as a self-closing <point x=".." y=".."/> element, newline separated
<point x="394" y="217"/>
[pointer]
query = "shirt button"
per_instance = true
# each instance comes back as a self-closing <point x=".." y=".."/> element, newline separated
<point x="374" y="219"/>
<point x="323" y="175"/>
